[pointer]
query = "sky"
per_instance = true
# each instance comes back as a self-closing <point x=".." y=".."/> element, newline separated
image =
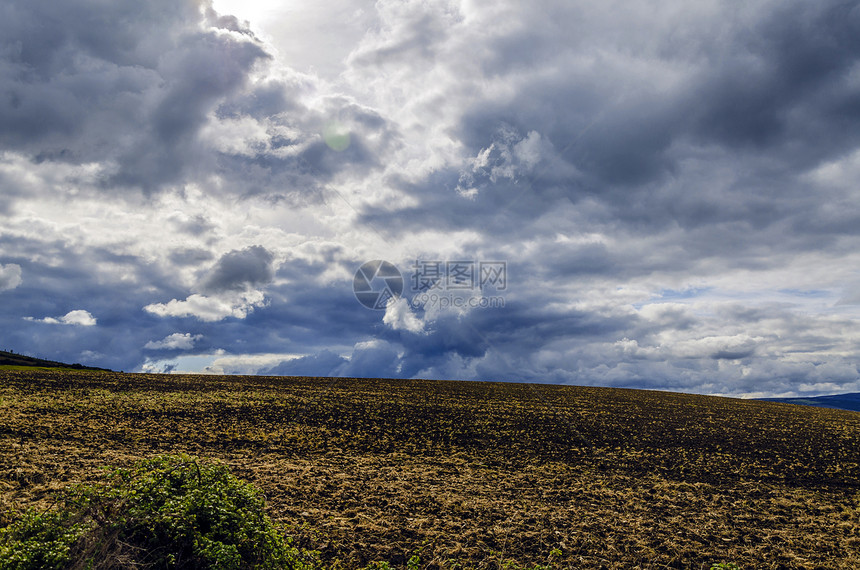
<point x="641" y="194"/>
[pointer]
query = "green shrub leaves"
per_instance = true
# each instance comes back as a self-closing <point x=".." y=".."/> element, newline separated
<point x="170" y="512"/>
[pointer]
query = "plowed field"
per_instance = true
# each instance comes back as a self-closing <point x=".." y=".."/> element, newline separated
<point x="466" y="474"/>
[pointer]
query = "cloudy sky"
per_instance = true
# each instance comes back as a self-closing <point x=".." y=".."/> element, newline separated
<point x="670" y="188"/>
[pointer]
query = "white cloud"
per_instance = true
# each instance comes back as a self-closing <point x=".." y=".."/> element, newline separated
<point x="212" y="308"/>
<point x="715" y="347"/>
<point x="399" y="316"/>
<point x="77" y="317"/>
<point x="10" y="276"/>
<point x="176" y="341"/>
<point x="246" y="363"/>
<point x="218" y="363"/>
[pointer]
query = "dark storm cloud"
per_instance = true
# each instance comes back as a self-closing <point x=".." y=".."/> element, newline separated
<point x="367" y="361"/>
<point x="203" y="71"/>
<point x="296" y="164"/>
<point x="268" y="98"/>
<point x="128" y="82"/>
<point x="194" y="225"/>
<point x="192" y="257"/>
<point x="618" y="148"/>
<point x="374" y="360"/>
<point x="511" y="335"/>
<point x="59" y="280"/>
<point x="238" y="270"/>
<point x="537" y="339"/>
<point x="775" y="95"/>
<point x="325" y="363"/>
<point x="648" y="173"/>
<point x="784" y="80"/>
<point x="133" y="87"/>
<point x="691" y="148"/>
<point x="303" y="316"/>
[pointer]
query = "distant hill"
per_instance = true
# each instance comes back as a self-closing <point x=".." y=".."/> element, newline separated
<point x="839" y="401"/>
<point x="13" y="359"/>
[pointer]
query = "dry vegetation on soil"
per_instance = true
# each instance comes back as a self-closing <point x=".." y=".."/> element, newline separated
<point x="467" y="474"/>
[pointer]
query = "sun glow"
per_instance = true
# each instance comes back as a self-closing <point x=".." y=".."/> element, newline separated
<point x="256" y="11"/>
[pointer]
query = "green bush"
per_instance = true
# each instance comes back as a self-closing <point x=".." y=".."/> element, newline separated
<point x="171" y="512"/>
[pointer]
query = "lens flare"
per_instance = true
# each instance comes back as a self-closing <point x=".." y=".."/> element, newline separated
<point x="336" y="136"/>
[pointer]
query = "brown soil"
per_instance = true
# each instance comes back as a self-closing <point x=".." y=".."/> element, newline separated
<point x="465" y="474"/>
